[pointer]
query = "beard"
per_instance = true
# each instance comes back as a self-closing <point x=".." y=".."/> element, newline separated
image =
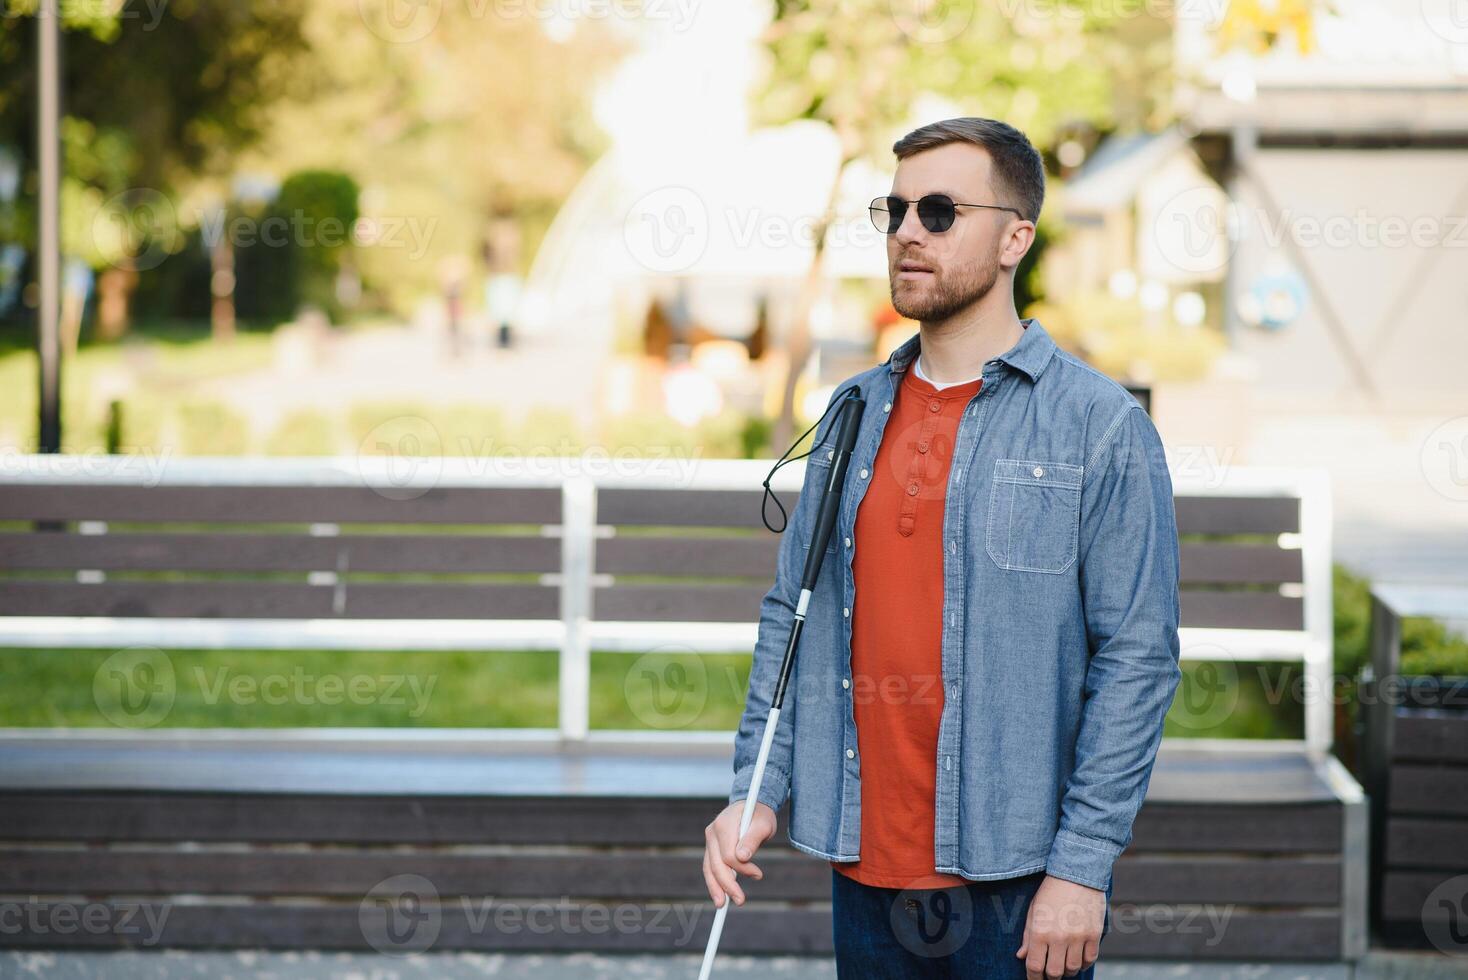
<point x="943" y="296"/>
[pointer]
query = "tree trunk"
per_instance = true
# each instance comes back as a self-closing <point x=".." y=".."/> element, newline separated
<point x="114" y="291"/>
<point x="798" y="342"/>
<point x="221" y="287"/>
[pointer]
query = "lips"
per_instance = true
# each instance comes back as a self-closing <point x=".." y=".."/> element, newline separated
<point x="908" y="269"/>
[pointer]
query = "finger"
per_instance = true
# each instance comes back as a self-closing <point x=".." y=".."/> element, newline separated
<point x="741" y="863"/>
<point x="1092" y="953"/>
<point x="1055" y="960"/>
<point x="1035" y="961"/>
<point x="715" y="892"/>
<point x="752" y="840"/>
<point x="1073" y="953"/>
<point x="724" y="874"/>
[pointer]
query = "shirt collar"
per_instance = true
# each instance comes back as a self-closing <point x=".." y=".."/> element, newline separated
<point x="1029" y="354"/>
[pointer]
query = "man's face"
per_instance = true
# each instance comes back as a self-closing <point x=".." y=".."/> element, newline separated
<point x="936" y="274"/>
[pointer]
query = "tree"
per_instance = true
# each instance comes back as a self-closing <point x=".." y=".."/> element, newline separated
<point x="155" y="96"/>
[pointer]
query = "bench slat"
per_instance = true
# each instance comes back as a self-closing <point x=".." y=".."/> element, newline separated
<point x="630" y="821"/>
<point x="1421" y="738"/>
<point x="690" y="508"/>
<point x="441" y="553"/>
<point x="1202" y="562"/>
<point x="1237" y="515"/>
<point x="759" y="927"/>
<point x="280" y="504"/>
<point x="1427" y="843"/>
<point x="281" y="600"/>
<point x="1427" y="790"/>
<point x="653" y="874"/>
<point x="720" y="603"/>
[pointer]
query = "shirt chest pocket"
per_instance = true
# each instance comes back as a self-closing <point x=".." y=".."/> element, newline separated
<point x="1034" y="515"/>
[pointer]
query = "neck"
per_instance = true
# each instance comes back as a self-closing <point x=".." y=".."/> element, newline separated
<point x="958" y="347"/>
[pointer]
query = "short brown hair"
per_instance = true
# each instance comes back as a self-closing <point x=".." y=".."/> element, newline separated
<point x="1019" y="171"/>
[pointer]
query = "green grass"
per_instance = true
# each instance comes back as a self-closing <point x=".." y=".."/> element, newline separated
<point x="148" y="688"/>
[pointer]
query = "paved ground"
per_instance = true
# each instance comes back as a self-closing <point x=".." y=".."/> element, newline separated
<point x="468" y="966"/>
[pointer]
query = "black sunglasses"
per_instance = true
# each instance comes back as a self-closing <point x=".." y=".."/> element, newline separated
<point x="935" y="211"/>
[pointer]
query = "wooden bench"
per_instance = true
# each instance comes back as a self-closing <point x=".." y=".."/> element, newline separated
<point x="1416" y="770"/>
<point x="302" y="839"/>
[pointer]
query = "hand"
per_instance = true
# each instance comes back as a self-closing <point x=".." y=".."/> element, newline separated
<point x="1062" y="929"/>
<point x="721" y="859"/>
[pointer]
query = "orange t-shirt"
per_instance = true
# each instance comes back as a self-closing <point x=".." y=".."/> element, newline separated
<point x="897" y="632"/>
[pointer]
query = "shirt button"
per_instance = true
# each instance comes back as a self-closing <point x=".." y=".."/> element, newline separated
<point x="863" y="472"/>
<point x="846" y="611"/>
<point x="887" y="407"/>
<point x="934" y="406"/>
<point x="922" y="447"/>
<point x="850" y="754"/>
<point x="912" y="489"/>
<point x="848" y="542"/>
<point x="846" y="682"/>
<point x="1039" y="472"/>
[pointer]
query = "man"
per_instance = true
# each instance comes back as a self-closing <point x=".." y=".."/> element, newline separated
<point x="991" y="648"/>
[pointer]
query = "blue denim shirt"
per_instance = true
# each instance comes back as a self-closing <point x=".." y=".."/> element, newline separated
<point x="1059" y="636"/>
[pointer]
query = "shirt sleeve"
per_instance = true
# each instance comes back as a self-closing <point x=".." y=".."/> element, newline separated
<point x="1129" y="591"/>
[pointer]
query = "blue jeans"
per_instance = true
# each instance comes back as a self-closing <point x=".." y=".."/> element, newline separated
<point x="965" y="932"/>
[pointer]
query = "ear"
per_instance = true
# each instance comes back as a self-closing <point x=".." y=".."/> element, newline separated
<point x="1017" y="244"/>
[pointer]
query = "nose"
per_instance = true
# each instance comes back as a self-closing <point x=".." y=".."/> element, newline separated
<point x="911" y="231"/>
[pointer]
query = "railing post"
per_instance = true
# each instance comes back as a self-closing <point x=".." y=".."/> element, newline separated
<point x="1318" y="582"/>
<point x="578" y="542"/>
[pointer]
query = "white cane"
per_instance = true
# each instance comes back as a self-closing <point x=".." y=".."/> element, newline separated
<point x="848" y="422"/>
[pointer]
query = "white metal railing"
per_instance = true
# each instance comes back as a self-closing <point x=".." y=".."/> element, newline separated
<point x="575" y="634"/>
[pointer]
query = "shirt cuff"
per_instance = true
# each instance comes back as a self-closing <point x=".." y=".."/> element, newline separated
<point x="774" y="788"/>
<point x="1083" y="860"/>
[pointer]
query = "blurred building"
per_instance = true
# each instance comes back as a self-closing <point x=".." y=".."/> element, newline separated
<point x="1312" y="202"/>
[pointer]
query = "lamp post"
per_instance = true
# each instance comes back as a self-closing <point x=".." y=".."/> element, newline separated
<point x="48" y="159"/>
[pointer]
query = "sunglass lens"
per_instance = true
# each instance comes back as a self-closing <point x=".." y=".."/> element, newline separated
<point x="936" y="212"/>
<point x="887" y="214"/>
